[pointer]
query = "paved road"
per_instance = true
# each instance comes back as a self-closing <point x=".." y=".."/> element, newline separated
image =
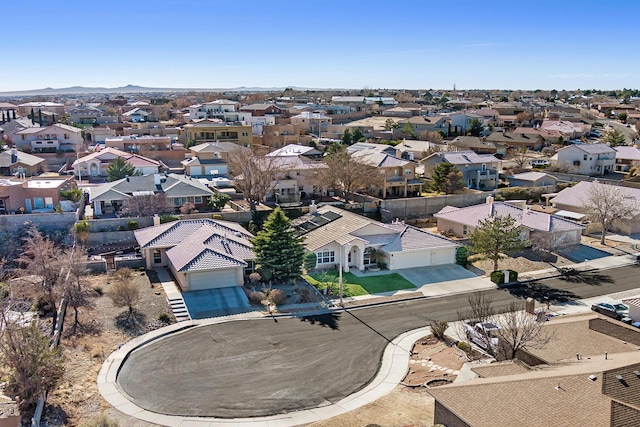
<point x="264" y="367"/>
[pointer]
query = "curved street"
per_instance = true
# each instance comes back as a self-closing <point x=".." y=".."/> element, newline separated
<point x="254" y="368"/>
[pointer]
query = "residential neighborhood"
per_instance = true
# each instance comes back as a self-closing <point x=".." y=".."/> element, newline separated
<point x="258" y="216"/>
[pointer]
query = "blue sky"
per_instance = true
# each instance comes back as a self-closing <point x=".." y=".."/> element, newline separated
<point x="562" y="44"/>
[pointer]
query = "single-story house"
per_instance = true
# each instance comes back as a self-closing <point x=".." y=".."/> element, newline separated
<point x="574" y="199"/>
<point x="626" y="155"/>
<point x="342" y="238"/>
<point x="463" y="221"/>
<point x="97" y="163"/>
<point x="14" y="162"/>
<point x="178" y="190"/>
<point x="634" y="308"/>
<point x="531" y="179"/>
<point x="201" y="253"/>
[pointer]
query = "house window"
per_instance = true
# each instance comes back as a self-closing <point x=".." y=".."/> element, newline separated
<point x="176" y="201"/>
<point x="585" y="157"/>
<point x="484" y="167"/>
<point x="245" y="134"/>
<point x="157" y="256"/>
<point x="197" y="199"/>
<point x="383" y="172"/>
<point x="326" y="257"/>
<point x="249" y="268"/>
<point x="464" y="230"/>
<point x="408" y="171"/>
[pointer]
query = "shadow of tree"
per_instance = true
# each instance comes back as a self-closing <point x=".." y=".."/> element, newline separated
<point x="541" y="292"/>
<point x="587" y="277"/>
<point x="133" y="324"/>
<point x="91" y="328"/>
<point x="325" y="320"/>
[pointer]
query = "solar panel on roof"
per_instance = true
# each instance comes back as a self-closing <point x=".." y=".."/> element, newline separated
<point x="320" y="221"/>
<point x="331" y="216"/>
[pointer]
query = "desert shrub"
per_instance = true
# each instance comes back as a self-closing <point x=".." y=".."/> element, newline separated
<point x="277" y="297"/>
<point x="304" y="294"/>
<point x="256" y="297"/>
<point x="132" y="225"/>
<point x="464" y="346"/>
<point x="217" y="216"/>
<point x="101" y="421"/>
<point x="123" y="273"/>
<point x="255" y="277"/>
<point x="438" y="328"/>
<point x="164" y="318"/>
<point x="98" y="290"/>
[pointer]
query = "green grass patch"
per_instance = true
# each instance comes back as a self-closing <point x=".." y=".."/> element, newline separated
<point x="353" y="285"/>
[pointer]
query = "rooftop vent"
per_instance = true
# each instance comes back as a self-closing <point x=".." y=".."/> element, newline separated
<point x="619" y="378"/>
<point x="592" y="377"/>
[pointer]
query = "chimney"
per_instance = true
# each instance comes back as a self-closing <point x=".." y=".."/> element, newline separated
<point x="156" y="219"/>
<point x="489" y="200"/>
<point x="14" y="155"/>
<point x="313" y="208"/>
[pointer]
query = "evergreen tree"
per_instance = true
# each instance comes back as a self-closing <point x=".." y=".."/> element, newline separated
<point x="346" y="137"/>
<point x="357" y="135"/>
<point x="496" y="235"/>
<point x="279" y="252"/>
<point x="614" y="138"/>
<point x="476" y="128"/>
<point x="446" y="178"/>
<point x="119" y="168"/>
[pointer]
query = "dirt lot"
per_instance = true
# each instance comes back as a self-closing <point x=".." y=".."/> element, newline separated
<point x="103" y="328"/>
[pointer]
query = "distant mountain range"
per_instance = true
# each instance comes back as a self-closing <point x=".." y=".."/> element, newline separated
<point x="79" y="90"/>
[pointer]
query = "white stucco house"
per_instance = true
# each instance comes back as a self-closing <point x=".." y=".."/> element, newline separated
<point x="342" y="238"/>
<point x="50" y="139"/>
<point x="463" y="221"/>
<point x="586" y="159"/>
<point x="97" y="163"/>
<point x="201" y="253"/>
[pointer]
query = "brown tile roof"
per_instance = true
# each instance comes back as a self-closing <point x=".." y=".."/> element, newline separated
<point x="501" y="369"/>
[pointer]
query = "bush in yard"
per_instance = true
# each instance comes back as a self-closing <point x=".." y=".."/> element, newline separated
<point x="98" y="290"/>
<point x="464" y="346"/>
<point x="164" y="318"/>
<point x="168" y="218"/>
<point x="438" y="328"/>
<point x="257" y="297"/>
<point x="497" y="277"/>
<point x="132" y="225"/>
<point x="462" y="253"/>
<point x="277" y="297"/>
<point x="304" y="294"/>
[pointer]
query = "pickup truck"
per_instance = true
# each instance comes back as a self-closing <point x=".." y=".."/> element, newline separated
<point x="482" y="334"/>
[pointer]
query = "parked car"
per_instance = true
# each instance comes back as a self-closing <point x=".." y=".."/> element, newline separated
<point x="482" y="334"/>
<point x="539" y="162"/>
<point x="616" y="311"/>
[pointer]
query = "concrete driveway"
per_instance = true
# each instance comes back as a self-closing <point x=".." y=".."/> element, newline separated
<point x="421" y="276"/>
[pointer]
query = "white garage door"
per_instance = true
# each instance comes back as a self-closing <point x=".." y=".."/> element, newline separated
<point x="424" y="258"/>
<point x="212" y="279"/>
<point x="443" y="256"/>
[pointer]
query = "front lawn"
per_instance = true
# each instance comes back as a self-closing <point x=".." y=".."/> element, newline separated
<point x="353" y="285"/>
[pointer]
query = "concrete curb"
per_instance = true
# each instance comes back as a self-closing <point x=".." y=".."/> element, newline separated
<point x="393" y="368"/>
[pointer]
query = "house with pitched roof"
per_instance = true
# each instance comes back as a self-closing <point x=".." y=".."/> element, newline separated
<point x="531" y="179"/>
<point x="576" y="198"/>
<point x="177" y="189"/>
<point x="49" y="139"/>
<point x="332" y="233"/>
<point x="201" y="253"/>
<point x="427" y="124"/>
<point x="513" y="139"/>
<point x="463" y="221"/>
<point x="626" y="155"/>
<point x="586" y="159"/>
<point x="17" y="163"/>
<point x="95" y="165"/>
<point x="479" y="171"/>
<point x="399" y="176"/>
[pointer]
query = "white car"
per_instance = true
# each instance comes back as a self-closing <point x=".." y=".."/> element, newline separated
<point x="539" y="162"/>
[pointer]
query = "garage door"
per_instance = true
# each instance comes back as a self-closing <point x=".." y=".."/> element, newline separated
<point x="212" y="279"/>
<point x="443" y="256"/>
<point x="411" y="259"/>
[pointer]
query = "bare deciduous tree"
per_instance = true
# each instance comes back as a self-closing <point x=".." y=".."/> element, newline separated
<point x="606" y="204"/>
<point x="124" y="292"/>
<point x="519" y="331"/>
<point x="347" y="174"/>
<point x="547" y="243"/>
<point x="146" y="205"/>
<point x="48" y="264"/>
<point x="521" y="159"/>
<point x="77" y="290"/>
<point x="253" y="174"/>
